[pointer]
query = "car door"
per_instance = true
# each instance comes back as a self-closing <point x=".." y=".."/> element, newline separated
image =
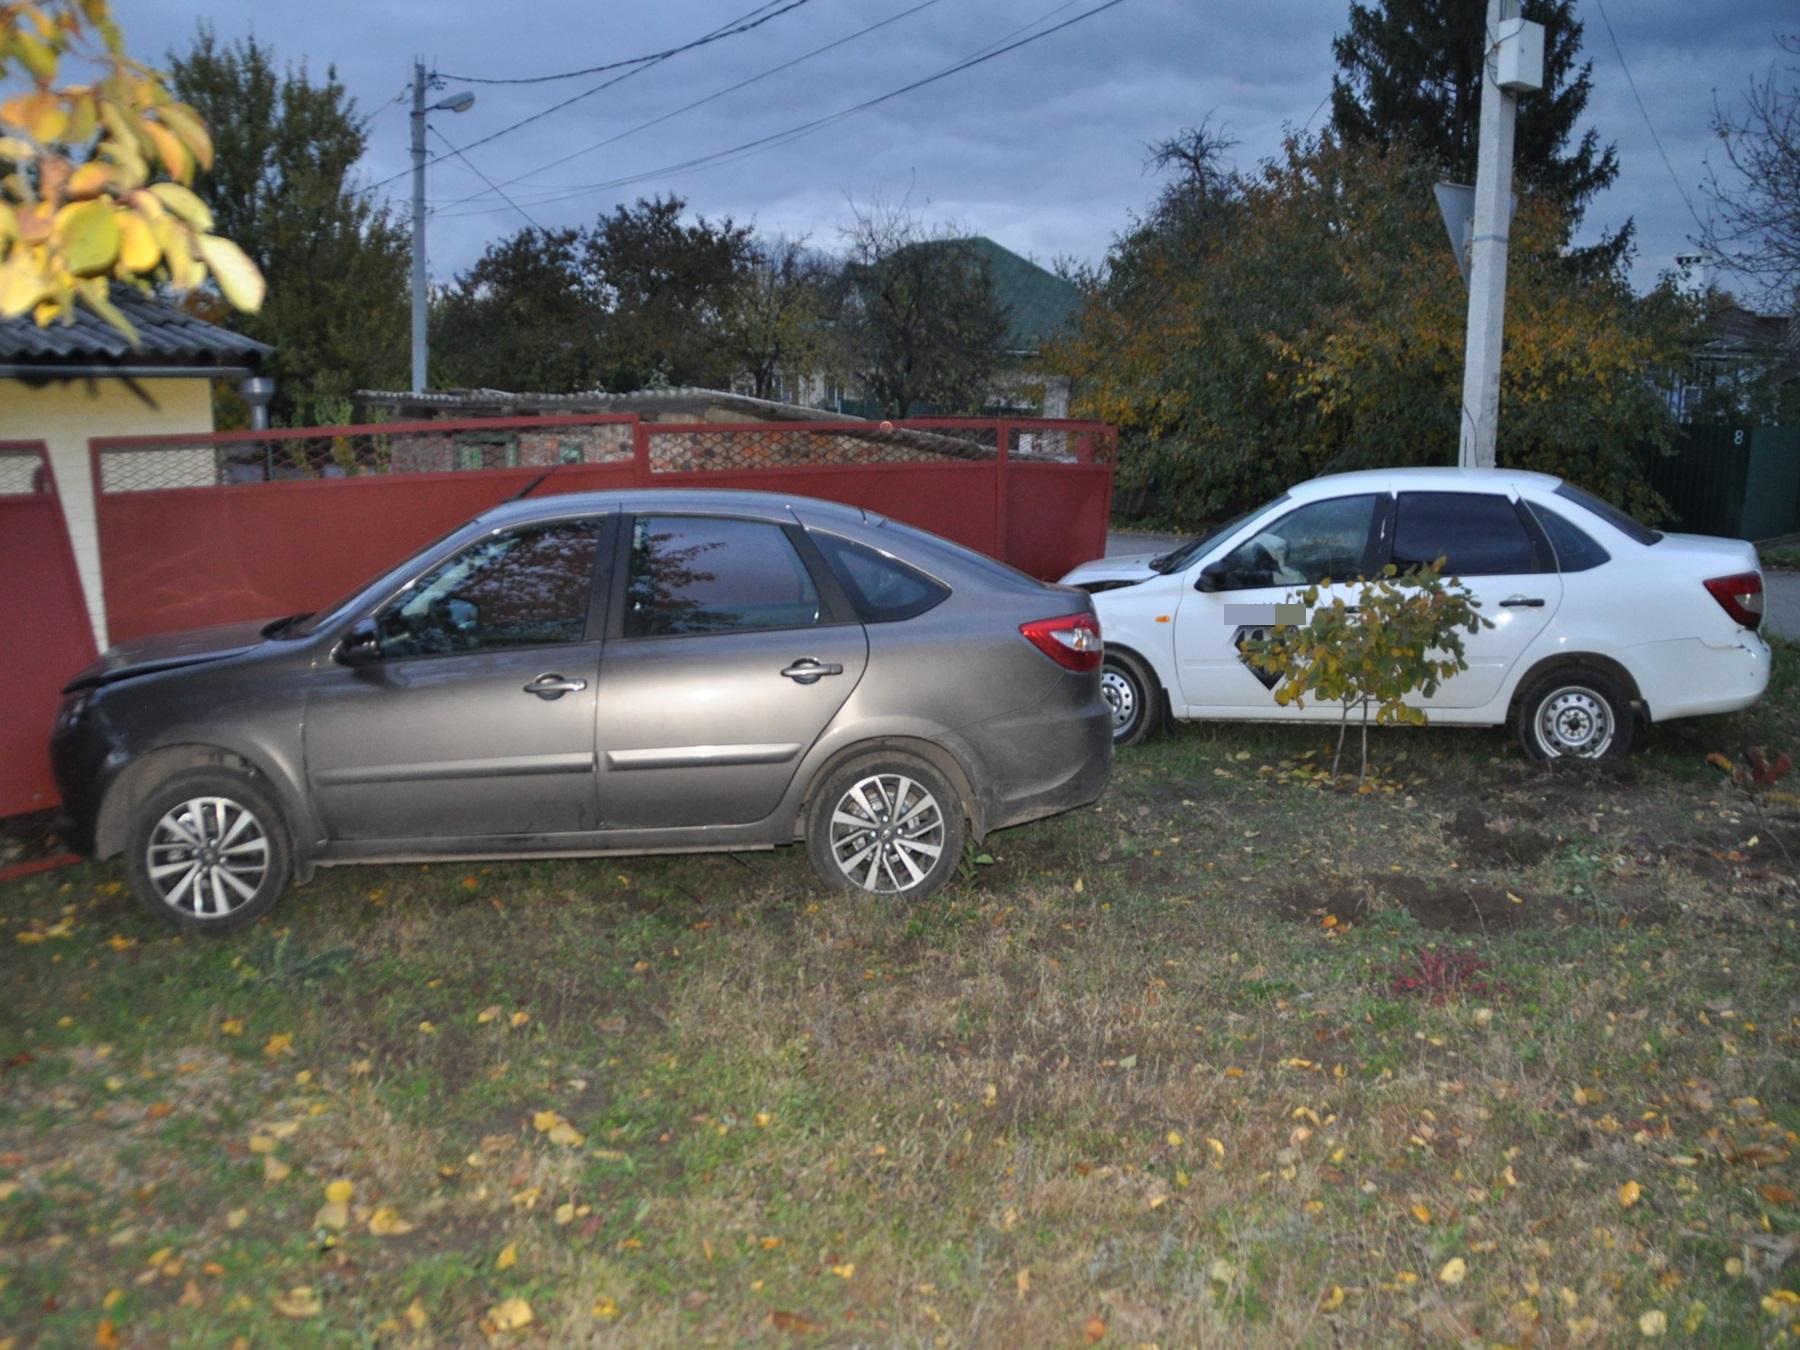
<point x="1257" y="583"/>
<point x="1490" y="545"/>
<point x="730" y="652"/>
<point x="477" y="716"/>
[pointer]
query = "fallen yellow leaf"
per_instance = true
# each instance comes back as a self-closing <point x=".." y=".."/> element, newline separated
<point x="488" y="1014"/>
<point x="281" y="1043"/>
<point x="1174" y="1138"/>
<point x="845" y="1271"/>
<point x="1653" y="1324"/>
<point x="300" y="1301"/>
<point x="1421" y="1213"/>
<point x="1454" y="1271"/>
<point x="1333" y="1299"/>
<point x="1629" y="1193"/>
<point x="510" y="1315"/>
<point x="508" y="1258"/>
<point x="386" y="1222"/>
<point x="274" y="1169"/>
<point x="232" y="1026"/>
<point x="606" y="1309"/>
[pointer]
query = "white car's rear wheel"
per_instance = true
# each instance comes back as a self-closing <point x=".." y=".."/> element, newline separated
<point x="1575" y="712"/>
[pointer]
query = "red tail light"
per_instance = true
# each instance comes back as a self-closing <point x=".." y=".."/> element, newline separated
<point x="1072" y="641"/>
<point x="1739" y="595"/>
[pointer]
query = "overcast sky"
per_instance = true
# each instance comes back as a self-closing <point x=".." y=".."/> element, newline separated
<point x="1041" y="148"/>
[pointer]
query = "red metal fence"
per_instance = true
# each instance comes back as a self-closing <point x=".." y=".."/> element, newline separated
<point x="48" y="636"/>
<point x="238" y="525"/>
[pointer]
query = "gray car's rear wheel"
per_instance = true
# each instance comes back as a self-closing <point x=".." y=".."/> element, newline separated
<point x="888" y="825"/>
<point x="208" y="851"/>
<point x="1132" y="696"/>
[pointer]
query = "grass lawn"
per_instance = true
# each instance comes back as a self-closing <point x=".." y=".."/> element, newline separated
<point x="1485" y="1054"/>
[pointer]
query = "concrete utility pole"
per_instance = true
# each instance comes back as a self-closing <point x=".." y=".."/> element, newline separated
<point x="1513" y="63"/>
<point x="418" y="214"/>
<point x="456" y="103"/>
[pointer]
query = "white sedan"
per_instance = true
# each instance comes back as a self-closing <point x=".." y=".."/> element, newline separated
<point x="1597" y="620"/>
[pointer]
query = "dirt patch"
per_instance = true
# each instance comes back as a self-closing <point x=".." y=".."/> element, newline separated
<point x="1450" y="909"/>
<point x="1494" y="839"/>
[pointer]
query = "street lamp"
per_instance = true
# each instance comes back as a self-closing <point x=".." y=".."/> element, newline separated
<point x="456" y="103"/>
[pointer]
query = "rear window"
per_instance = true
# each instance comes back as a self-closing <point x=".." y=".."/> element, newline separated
<point x="881" y="588"/>
<point x="1612" y="515"/>
<point x="1575" y="550"/>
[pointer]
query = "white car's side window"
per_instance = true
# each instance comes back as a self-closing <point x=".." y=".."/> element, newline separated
<point x="1324" y="540"/>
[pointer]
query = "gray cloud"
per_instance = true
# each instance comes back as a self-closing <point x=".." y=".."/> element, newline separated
<point x="1042" y="149"/>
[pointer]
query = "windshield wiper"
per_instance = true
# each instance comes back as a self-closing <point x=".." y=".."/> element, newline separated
<point x="280" y="626"/>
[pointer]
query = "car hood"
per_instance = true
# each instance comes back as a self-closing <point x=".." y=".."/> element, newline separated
<point x="165" y="651"/>
<point x="1125" y="567"/>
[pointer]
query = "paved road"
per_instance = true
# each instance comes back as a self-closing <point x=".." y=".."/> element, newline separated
<point x="1782" y="600"/>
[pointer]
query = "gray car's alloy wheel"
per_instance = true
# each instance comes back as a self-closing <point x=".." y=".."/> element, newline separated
<point x="208" y="851"/>
<point x="1577" y="712"/>
<point x="1132" y="696"/>
<point x="887" y="825"/>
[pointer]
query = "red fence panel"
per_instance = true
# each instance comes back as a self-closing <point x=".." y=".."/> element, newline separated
<point x="49" y="636"/>
<point x="206" y="529"/>
<point x="198" y="530"/>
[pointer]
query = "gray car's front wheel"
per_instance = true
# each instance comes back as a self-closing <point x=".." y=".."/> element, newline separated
<point x="886" y="825"/>
<point x="208" y="851"/>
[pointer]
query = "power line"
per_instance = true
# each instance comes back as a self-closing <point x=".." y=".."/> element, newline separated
<point x="484" y="178"/>
<point x="716" y="35"/>
<point x="689" y="107"/>
<point x="1667" y="164"/>
<point x="806" y="128"/>
<point x="558" y="107"/>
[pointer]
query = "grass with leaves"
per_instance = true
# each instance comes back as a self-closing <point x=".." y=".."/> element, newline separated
<point x="1482" y="1053"/>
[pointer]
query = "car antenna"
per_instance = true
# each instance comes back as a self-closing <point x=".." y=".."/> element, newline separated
<point x="532" y="486"/>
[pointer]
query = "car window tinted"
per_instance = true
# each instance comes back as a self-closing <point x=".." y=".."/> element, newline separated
<point x="882" y="588"/>
<point x="1478" y="534"/>
<point x="1575" y="550"/>
<point x="1320" y="541"/>
<point x="698" y="574"/>
<point x="1612" y="515"/>
<point x="521" y="588"/>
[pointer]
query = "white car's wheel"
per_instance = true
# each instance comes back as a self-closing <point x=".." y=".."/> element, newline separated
<point x="1575" y="712"/>
<point x="1133" y="696"/>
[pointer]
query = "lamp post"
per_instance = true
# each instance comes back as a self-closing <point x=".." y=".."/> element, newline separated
<point x="455" y="103"/>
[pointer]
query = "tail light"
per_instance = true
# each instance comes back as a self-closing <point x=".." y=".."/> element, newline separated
<point x="1739" y="595"/>
<point x="1072" y="641"/>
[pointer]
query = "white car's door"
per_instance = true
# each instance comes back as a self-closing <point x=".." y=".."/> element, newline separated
<point x="1234" y="596"/>
<point x="1508" y="567"/>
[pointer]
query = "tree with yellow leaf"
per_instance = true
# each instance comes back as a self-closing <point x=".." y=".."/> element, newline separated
<point x="1258" y="328"/>
<point x="95" y="174"/>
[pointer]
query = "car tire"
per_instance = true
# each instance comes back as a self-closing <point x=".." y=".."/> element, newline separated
<point x="208" y="851"/>
<point x="1574" y="712"/>
<point x="886" y="825"/>
<point x="1134" y="697"/>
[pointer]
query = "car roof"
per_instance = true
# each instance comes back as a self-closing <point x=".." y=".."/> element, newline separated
<point x="765" y="504"/>
<point x="1433" y="479"/>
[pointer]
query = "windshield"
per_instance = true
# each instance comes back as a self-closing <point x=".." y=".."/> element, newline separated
<point x="1176" y="559"/>
<point x="302" y="625"/>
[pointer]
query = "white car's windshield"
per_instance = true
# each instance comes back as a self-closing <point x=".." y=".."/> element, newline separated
<point x="1176" y="559"/>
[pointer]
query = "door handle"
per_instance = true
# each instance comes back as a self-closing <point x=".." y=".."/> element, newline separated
<point x="552" y="686"/>
<point x="807" y="671"/>
<point x="1522" y="602"/>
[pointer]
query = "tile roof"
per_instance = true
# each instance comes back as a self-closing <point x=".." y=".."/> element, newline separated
<point x="166" y="336"/>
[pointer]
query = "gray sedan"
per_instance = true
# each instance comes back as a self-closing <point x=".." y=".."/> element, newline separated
<point x="590" y="674"/>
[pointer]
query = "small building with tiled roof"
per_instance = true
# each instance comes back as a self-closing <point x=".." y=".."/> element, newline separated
<point x="65" y="383"/>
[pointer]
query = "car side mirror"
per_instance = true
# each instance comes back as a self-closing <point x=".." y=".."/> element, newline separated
<point x="361" y="645"/>
<point x="1214" y="576"/>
